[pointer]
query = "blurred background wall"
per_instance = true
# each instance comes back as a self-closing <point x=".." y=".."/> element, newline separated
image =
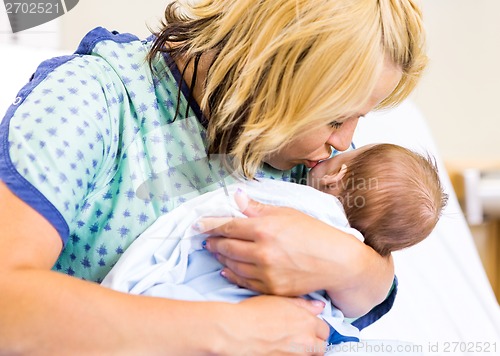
<point x="123" y="16"/>
<point x="460" y="93"/>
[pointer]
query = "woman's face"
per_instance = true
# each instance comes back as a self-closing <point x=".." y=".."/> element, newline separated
<point x="315" y="145"/>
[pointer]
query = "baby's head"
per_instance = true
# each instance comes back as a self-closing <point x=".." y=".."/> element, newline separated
<point x="392" y="195"/>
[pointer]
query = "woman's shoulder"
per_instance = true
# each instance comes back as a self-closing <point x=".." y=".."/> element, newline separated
<point x="101" y="35"/>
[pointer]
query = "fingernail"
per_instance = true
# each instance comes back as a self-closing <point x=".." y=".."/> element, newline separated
<point x="318" y="303"/>
<point x="204" y="244"/>
<point x="241" y="199"/>
<point x="197" y="226"/>
<point x="223" y="273"/>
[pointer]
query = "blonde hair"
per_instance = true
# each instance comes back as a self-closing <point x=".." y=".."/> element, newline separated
<point x="393" y="196"/>
<point x="283" y="67"/>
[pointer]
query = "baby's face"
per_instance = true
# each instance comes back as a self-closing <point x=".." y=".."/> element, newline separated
<point x="316" y="177"/>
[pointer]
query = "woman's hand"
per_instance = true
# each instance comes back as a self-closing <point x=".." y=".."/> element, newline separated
<point x="282" y="251"/>
<point x="278" y="251"/>
<point x="269" y="325"/>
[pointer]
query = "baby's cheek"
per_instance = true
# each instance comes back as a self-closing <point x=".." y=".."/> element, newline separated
<point x="313" y="179"/>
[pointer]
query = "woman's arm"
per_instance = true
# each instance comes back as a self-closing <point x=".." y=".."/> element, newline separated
<point x="45" y="312"/>
<point x="282" y="251"/>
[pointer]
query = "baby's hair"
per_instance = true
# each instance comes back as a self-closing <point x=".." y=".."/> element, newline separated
<point x="283" y="67"/>
<point x="393" y="196"/>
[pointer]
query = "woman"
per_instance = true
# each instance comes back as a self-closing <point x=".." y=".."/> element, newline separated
<point x="101" y="143"/>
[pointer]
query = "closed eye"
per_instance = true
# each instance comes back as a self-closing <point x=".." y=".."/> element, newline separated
<point x="336" y="124"/>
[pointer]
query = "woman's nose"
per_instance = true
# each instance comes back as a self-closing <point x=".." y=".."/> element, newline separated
<point x="341" y="138"/>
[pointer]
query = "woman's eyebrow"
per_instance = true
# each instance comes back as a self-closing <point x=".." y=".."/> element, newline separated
<point x="350" y="116"/>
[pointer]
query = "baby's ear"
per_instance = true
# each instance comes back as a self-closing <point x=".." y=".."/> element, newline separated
<point x="332" y="179"/>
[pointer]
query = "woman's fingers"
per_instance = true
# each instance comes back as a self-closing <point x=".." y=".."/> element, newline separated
<point x="255" y="285"/>
<point x="213" y="226"/>
<point x="250" y="207"/>
<point x="291" y="325"/>
<point x="242" y="269"/>
<point x="240" y="228"/>
<point x="323" y="330"/>
<point x="243" y="274"/>
<point x="226" y="227"/>
<point x="237" y="250"/>
<point x="315" y="307"/>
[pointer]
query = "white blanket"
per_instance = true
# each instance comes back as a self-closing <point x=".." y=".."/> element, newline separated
<point x="168" y="260"/>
